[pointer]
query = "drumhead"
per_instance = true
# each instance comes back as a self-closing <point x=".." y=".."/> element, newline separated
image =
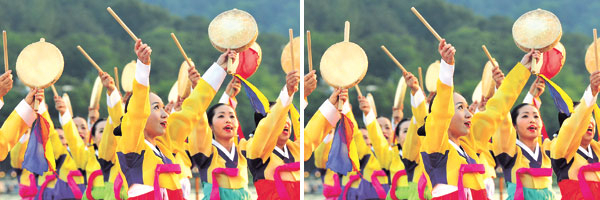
<point x="344" y="64"/>
<point x="40" y="64"/>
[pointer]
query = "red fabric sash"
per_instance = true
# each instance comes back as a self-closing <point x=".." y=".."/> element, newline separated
<point x="161" y="169"/>
<point x="376" y="184"/>
<point x="28" y="192"/>
<point x="45" y="184"/>
<point x="536" y="172"/>
<point x="421" y="186"/>
<point x="118" y="184"/>
<point x="231" y="172"/>
<point x="353" y="179"/>
<point x="397" y="176"/>
<point x="73" y="185"/>
<point x="467" y="168"/>
<point x="332" y="192"/>
<point x="281" y="189"/>
<point x="88" y="190"/>
<point x="585" y="188"/>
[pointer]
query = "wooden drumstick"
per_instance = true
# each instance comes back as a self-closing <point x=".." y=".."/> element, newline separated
<point x="358" y="90"/>
<point x="54" y="90"/>
<point x="347" y="31"/>
<point x="117" y="79"/>
<point x="595" y="49"/>
<point x="292" y="47"/>
<point x="5" y="51"/>
<point x="89" y="58"/>
<point x="489" y="55"/>
<point x="394" y="59"/>
<point x="421" y="78"/>
<point x="110" y="10"/>
<point x="308" y="45"/>
<point x="437" y="36"/>
<point x="181" y="50"/>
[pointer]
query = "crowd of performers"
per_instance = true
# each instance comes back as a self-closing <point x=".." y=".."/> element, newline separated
<point x="145" y="149"/>
<point x="450" y="150"/>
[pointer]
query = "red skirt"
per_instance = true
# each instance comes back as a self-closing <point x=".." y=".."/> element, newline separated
<point x="265" y="189"/>
<point x="571" y="187"/>
<point x="172" y="194"/>
<point x="477" y="195"/>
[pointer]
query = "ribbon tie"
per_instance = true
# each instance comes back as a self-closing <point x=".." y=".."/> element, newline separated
<point x="585" y="188"/>
<point x="464" y="169"/>
<point x="281" y="190"/>
<point x="535" y="172"/>
<point x="231" y="172"/>
<point x="395" y="179"/>
<point x="160" y="169"/>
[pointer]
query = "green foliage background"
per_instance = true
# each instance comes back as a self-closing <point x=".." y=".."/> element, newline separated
<point x="87" y="23"/>
<point x="391" y="23"/>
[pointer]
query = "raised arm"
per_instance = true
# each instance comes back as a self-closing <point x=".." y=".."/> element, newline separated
<point x="18" y="122"/>
<point x="193" y="109"/>
<point x="268" y="130"/>
<point x="485" y="123"/>
<point x="380" y="145"/>
<point x="76" y="144"/>
<point x="438" y="121"/>
<point x="322" y="122"/>
<point x="573" y="128"/>
<point x="108" y="146"/>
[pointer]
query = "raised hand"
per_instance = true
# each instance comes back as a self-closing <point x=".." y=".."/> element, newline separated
<point x="37" y="93"/>
<point x="595" y="82"/>
<point x="310" y="82"/>
<point x="292" y="80"/>
<point x="107" y="81"/>
<point x="397" y="114"/>
<point x="537" y="87"/>
<point x="364" y="104"/>
<point x="526" y="60"/>
<point x="233" y="88"/>
<point x="447" y="52"/>
<point x="194" y="76"/>
<point x="178" y="103"/>
<point x="6" y="83"/>
<point x="337" y="95"/>
<point x="498" y="76"/>
<point x="143" y="51"/>
<point x="222" y="61"/>
<point x="411" y="82"/>
<point x="60" y="105"/>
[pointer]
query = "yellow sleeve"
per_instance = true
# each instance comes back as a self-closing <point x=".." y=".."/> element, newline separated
<point x="17" y="153"/>
<point x="295" y="117"/>
<point x="13" y="128"/>
<point x="438" y="121"/>
<point x="321" y="123"/>
<point x="76" y="145"/>
<point x="322" y="152"/>
<point x="412" y="143"/>
<point x="269" y="129"/>
<point x="138" y="110"/>
<point x="573" y="128"/>
<point x="486" y="122"/>
<point x="108" y="146"/>
<point x="192" y="117"/>
<point x="381" y="147"/>
<point x="505" y="138"/>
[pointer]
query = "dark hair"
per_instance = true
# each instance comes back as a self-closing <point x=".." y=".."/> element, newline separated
<point x="93" y="133"/>
<point x="514" y="113"/>
<point x="211" y="112"/>
<point x="562" y="117"/>
<point x="259" y="116"/>
<point x="397" y="129"/>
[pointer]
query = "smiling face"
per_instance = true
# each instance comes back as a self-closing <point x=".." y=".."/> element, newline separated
<point x="156" y="124"/>
<point x="386" y="127"/>
<point x="403" y="130"/>
<point x="82" y="127"/>
<point x="460" y="125"/>
<point x="528" y="123"/>
<point x="225" y="123"/>
<point x="98" y="131"/>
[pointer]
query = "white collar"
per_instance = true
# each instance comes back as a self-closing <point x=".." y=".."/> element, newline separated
<point x="229" y="154"/>
<point x="153" y="147"/>
<point x="283" y="152"/>
<point x="587" y="152"/>
<point x="528" y="150"/>
<point x="457" y="148"/>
